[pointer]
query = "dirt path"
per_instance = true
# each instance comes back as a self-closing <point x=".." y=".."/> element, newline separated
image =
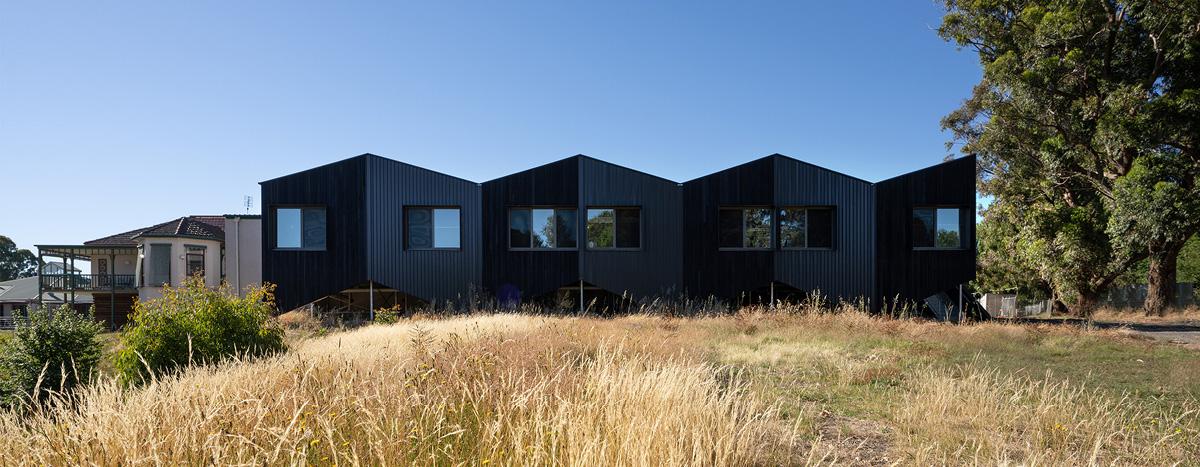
<point x="1185" y="333"/>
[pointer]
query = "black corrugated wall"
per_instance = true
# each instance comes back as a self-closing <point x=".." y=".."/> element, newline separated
<point x="653" y="269"/>
<point x="532" y="272"/>
<point x="431" y="275"/>
<point x="846" y="271"/>
<point x="304" y="276"/>
<point x="916" y="274"/>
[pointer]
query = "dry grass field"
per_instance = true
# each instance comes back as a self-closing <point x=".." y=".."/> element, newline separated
<point x="792" y="386"/>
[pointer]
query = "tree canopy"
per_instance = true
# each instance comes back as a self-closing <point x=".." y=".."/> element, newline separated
<point x="15" y="262"/>
<point x="1085" y="127"/>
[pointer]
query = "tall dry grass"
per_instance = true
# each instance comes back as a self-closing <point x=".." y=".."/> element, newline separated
<point x="492" y="389"/>
<point x="976" y="415"/>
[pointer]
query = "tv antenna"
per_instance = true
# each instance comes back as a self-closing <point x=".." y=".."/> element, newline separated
<point x="248" y="201"/>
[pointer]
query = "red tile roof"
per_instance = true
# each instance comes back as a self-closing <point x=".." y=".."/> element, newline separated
<point x="210" y="227"/>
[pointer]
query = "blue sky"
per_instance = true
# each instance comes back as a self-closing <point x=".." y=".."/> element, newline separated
<point x="117" y="115"/>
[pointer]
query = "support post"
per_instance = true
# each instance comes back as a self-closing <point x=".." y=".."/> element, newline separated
<point x="70" y="272"/>
<point x="40" y="273"/>
<point x="112" y="292"/>
<point x="772" y="295"/>
<point x="961" y="316"/>
<point x="581" y="295"/>
<point x="371" y="299"/>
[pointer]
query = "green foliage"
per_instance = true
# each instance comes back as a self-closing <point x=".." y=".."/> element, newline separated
<point x="1187" y="270"/>
<point x="60" y="347"/>
<point x="194" y="324"/>
<point x="1075" y="94"/>
<point x="15" y="263"/>
<point x="389" y="315"/>
<point x="1000" y="270"/>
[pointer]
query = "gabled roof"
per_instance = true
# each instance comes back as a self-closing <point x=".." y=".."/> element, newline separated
<point x="205" y="227"/>
<point x="785" y="157"/>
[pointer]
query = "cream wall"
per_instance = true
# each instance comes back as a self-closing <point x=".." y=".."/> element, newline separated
<point x="212" y="263"/>
<point x="125" y="264"/>
<point x="243" y="252"/>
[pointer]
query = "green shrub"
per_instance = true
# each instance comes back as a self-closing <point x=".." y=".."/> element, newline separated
<point x="60" y="347"/>
<point x="194" y="324"/>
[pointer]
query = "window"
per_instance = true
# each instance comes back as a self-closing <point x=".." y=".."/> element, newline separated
<point x="433" y="228"/>
<point x="160" y="264"/>
<point x="300" y="228"/>
<point x="806" y="228"/>
<point x="937" y="228"/>
<point x="744" y="228"/>
<point x="195" y="260"/>
<point x="614" y="228"/>
<point x="541" y="228"/>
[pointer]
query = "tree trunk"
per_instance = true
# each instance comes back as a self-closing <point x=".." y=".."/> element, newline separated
<point x="1160" y="280"/>
<point x="1085" y="304"/>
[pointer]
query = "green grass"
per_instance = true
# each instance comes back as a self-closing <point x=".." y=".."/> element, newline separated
<point x="863" y="372"/>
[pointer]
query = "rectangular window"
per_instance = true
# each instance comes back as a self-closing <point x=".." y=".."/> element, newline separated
<point x="806" y="228"/>
<point x="300" y="228"/>
<point x="937" y="228"/>
<point x="432" y="228"/>
<point x="614" y="228"/>
<point x="541" y="228"/>
<point x="195" y="260"/>
<point x="160" y="264"/>
<point x="745" y="228"/>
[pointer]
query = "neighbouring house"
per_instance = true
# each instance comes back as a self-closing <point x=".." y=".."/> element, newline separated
<point x="373" y="232"/>
<point x="57" y="267"/>
<point x="19" y="295"/>
<point x="135" y="265"/>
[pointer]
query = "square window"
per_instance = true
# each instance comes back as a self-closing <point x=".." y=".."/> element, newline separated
<point x="937" y="228"/>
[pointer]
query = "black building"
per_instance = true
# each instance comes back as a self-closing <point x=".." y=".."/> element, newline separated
<point x="779" y="226"/>
<point x="370" y="224"/>
<point x="373" y="231"/>
<point x="581" y="224"/>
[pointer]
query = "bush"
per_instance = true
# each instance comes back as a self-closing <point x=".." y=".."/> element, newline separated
<point x="60" y="347"/>
<point x="194" y="324"/>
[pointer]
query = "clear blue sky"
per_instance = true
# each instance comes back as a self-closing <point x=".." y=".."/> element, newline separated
<point x="117" y="115"/>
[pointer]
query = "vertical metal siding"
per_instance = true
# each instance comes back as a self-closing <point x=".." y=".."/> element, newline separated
<point x="706" y="269"/>
<point x="844" y="272"/>
<point x="303" y="276"/>
<point x="533" y="272"/>
<point x="916" y="274"/>
<point x="431" y="275"/>
<point x="655" y="268"/>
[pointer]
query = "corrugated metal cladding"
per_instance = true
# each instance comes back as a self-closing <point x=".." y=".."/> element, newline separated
<point x="654" y="269"/>
<point x="846" y="271"/>
<point x="304" y="276"/>
<point x="532" y="272"/>
<point x="433" y="275"/>
<point x="708" y="270"/>
<point x="916" y="274"/>
<point x="366" y="196"/>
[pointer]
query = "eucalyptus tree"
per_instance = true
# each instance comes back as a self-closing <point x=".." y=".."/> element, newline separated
<point x="1075" y="97"/>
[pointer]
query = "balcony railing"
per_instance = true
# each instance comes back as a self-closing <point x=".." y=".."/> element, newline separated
<point x="87" y="282"/>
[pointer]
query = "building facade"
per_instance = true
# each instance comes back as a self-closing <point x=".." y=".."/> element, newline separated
<point x="369" y="232"/>
<point x="137" y="264"/>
